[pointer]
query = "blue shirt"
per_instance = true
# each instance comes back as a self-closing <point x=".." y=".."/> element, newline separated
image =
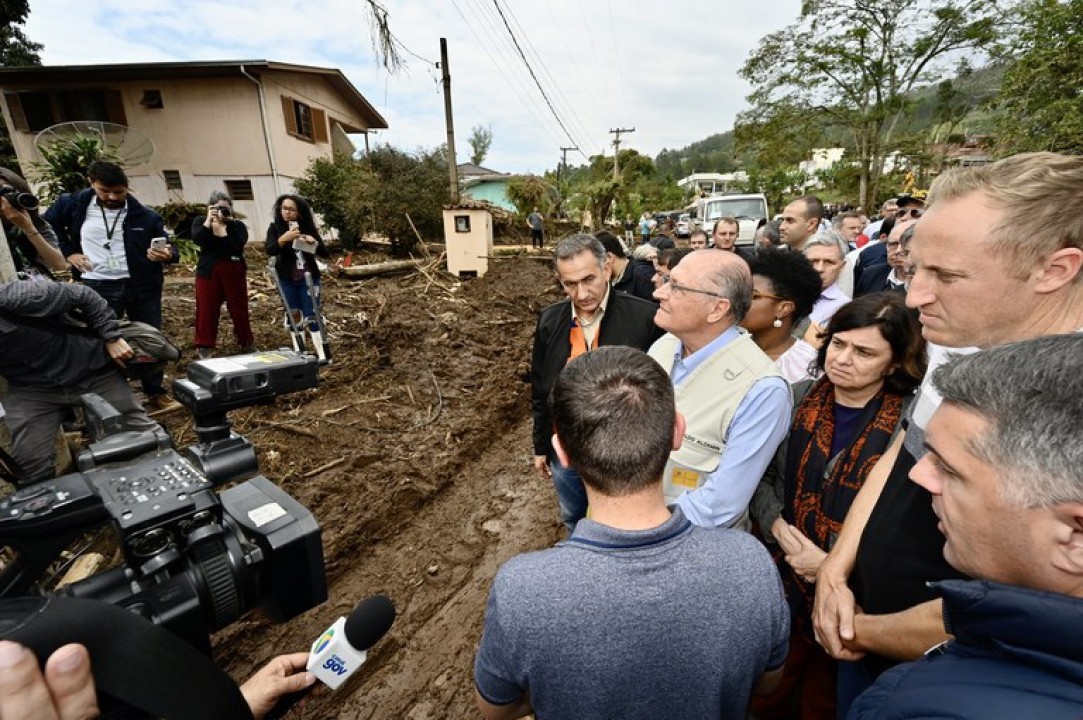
<point x="760" y="423"/>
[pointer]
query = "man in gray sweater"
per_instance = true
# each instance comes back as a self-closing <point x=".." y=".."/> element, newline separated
<point x="639" y="614"/>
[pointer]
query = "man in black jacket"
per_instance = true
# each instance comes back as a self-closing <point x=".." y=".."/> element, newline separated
<point x="590" y="317"/>
<point x="47" y="367"/>
<point x="106" y="234"/>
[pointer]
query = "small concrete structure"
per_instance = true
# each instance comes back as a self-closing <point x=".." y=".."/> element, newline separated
<point x="468" y="237"/>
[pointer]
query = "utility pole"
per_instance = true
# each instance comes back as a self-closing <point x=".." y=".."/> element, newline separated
<point x="453" y="169"/>
<point x="616" y="148"/>
<point x="562" y="173"/>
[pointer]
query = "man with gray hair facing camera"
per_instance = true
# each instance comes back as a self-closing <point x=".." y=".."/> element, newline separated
<point x="591" y="316"/>
<point x="640" y="614"/>
<point x="1005" y="470"/>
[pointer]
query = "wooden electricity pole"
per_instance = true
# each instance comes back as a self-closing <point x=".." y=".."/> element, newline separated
<point x="453" y="168"/>
<point x="616" y="149"/>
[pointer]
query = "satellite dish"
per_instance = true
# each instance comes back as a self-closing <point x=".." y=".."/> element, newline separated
<point x="129" y="146"/>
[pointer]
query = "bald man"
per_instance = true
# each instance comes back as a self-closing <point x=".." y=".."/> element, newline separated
<point x="736" y="404"/>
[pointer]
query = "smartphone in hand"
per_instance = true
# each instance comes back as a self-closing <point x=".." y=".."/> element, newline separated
<point x="159" y="243"/>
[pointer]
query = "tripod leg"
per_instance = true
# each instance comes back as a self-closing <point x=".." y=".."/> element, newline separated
<point x="292" y="319"/>
<point x="319" y="335"/>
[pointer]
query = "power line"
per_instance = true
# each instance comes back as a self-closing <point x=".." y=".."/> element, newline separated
<point x="510" y="78"/>
<point x="544" y="95"/>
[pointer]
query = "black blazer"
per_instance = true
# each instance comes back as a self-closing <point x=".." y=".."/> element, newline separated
<point x="627" y="321"/>
<point x="874" y="280"/>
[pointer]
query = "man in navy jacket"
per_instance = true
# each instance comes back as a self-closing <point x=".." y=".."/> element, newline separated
<point x="1005" y="470"/>
<point x="107" y="235"/>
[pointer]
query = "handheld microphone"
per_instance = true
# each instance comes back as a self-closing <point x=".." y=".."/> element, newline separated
<point x="342" y="648"/>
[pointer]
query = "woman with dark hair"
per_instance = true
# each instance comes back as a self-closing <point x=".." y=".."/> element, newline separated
<point x="221" y="275"/>
<point x="873" y="357"/>
<point x="294" y="242"/>
<point x="784" y="289"/>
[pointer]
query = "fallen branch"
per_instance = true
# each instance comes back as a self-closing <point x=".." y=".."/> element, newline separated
<point x="439" y="401"/>
<point x="384" y="268"/>
<point x="285" y="426"/>
<point x="324" y="468"/>
<point x="417" y="235"/>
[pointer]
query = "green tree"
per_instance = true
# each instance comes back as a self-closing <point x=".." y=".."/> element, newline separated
<point x="64" y="165"/>
<point x="15" y="50"/>
<point x="527" y="192"/>
<point x="851" y="63"/>
<point x="376" y="192"/>
<point x="481" y="139"/>
<point x="1040" y="104"/>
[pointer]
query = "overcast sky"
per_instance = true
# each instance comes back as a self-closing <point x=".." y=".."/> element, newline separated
<point x="668" y="69"/>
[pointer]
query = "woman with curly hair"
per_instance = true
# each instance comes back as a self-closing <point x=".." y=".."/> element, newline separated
<point x="294" y="242"/>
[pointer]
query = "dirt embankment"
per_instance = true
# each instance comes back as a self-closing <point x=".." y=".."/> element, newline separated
<point x="422" y="422"/>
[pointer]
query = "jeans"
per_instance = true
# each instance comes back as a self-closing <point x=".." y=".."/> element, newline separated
<point x="148" y="309"/>
<point x="571" y="495"/>
<point x="297" y="298"/>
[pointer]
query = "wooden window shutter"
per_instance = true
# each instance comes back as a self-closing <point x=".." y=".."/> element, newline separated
<point x="15" y="107"/>
<point x="319" y="126"/>
<point x="114" y="107"/>
<point x="291" y="118"/>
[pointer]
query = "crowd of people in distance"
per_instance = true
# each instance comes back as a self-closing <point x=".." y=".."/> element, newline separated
<point x="834" y="473"/>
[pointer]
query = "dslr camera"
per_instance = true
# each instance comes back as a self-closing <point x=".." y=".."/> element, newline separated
<point x="194" y="560"/>
<point x="20" y="200"/>
<point x="223" y="211"/>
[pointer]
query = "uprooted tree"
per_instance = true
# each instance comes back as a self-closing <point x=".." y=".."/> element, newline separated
<point x="375" y="193"/>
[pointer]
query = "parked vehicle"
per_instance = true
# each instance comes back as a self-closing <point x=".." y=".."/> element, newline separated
<point x="749" y="209"/>
<point x="684" y="225"/>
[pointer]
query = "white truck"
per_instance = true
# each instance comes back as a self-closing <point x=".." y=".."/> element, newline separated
<point x="748" y="209"/>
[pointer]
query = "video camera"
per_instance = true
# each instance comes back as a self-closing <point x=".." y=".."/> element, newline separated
<point x="194" y="560"/>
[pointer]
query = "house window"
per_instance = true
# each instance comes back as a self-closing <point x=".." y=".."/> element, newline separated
<point x="462" y="223"/>
<point x="172" y="180"/>
<point x="239" y="189"/>
<point x="152" y="100"/>
<point x="35" y="111"/>
<point x="304" y="121"/>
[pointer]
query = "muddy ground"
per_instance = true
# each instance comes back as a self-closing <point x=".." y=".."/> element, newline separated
<point x="414" y="456"/>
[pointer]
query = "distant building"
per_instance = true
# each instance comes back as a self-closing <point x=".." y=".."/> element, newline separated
<point x="481" y="183"/>
<point x="248" y="127"/>
<point x="711" y="183"/>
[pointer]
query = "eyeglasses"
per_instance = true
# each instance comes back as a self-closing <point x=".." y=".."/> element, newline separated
<point x="912" y="212"/>
<point x="677" y="287"/>
<point x="756" y="295"/>
<point x="893" y="244"/>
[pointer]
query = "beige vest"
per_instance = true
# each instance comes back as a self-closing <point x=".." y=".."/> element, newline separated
<point x="708" y="398"/>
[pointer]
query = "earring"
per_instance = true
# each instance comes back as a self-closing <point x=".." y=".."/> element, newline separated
<point x="777" y="323"/>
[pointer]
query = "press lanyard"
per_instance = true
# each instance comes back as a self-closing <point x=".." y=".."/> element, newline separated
<point x="105" y="221"/>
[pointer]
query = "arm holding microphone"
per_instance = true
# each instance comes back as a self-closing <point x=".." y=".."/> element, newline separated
<point x="65" y="691"/>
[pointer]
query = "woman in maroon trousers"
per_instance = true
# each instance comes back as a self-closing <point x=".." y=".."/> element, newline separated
<point x="220" y="275"/>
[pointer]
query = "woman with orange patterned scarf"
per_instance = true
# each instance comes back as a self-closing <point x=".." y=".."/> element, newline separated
<point x="873" y="357"/>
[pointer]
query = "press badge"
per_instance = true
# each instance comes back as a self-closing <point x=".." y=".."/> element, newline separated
<point x="113" y="263"/>
<point x="685" y="478"/>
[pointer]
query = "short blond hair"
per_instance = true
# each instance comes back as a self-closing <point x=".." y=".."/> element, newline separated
<point x="1041" y="195"/>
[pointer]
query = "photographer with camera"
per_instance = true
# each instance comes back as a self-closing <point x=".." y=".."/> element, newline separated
<point x="48" y="367"/>
<point x="34" y="247"/>
<point x="220" y="275"/>
<point x="65" y="691"/>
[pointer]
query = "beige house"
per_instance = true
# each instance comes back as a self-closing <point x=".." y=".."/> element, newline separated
<point x="248" y="127"/>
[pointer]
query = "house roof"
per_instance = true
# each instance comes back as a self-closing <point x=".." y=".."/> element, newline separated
<point x="472" y="170"/>
<point x="37" y="76"/>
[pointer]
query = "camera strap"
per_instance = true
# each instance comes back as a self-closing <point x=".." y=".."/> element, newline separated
<point x="136" y="664"/>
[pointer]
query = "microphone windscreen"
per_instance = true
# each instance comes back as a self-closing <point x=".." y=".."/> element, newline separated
<point x="369" y="622"/>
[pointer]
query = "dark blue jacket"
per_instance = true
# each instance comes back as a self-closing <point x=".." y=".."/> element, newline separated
<point x="141" y="225"/>
<point x="1017" y="654"/>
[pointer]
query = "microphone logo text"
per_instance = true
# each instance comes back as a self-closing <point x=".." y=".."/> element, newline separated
<point x="336" y="665"/>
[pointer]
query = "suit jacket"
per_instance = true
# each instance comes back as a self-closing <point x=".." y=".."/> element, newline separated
<point x="627" y="321"/>
<point x="875" y="280"/>
<point x="869" y="257"/>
